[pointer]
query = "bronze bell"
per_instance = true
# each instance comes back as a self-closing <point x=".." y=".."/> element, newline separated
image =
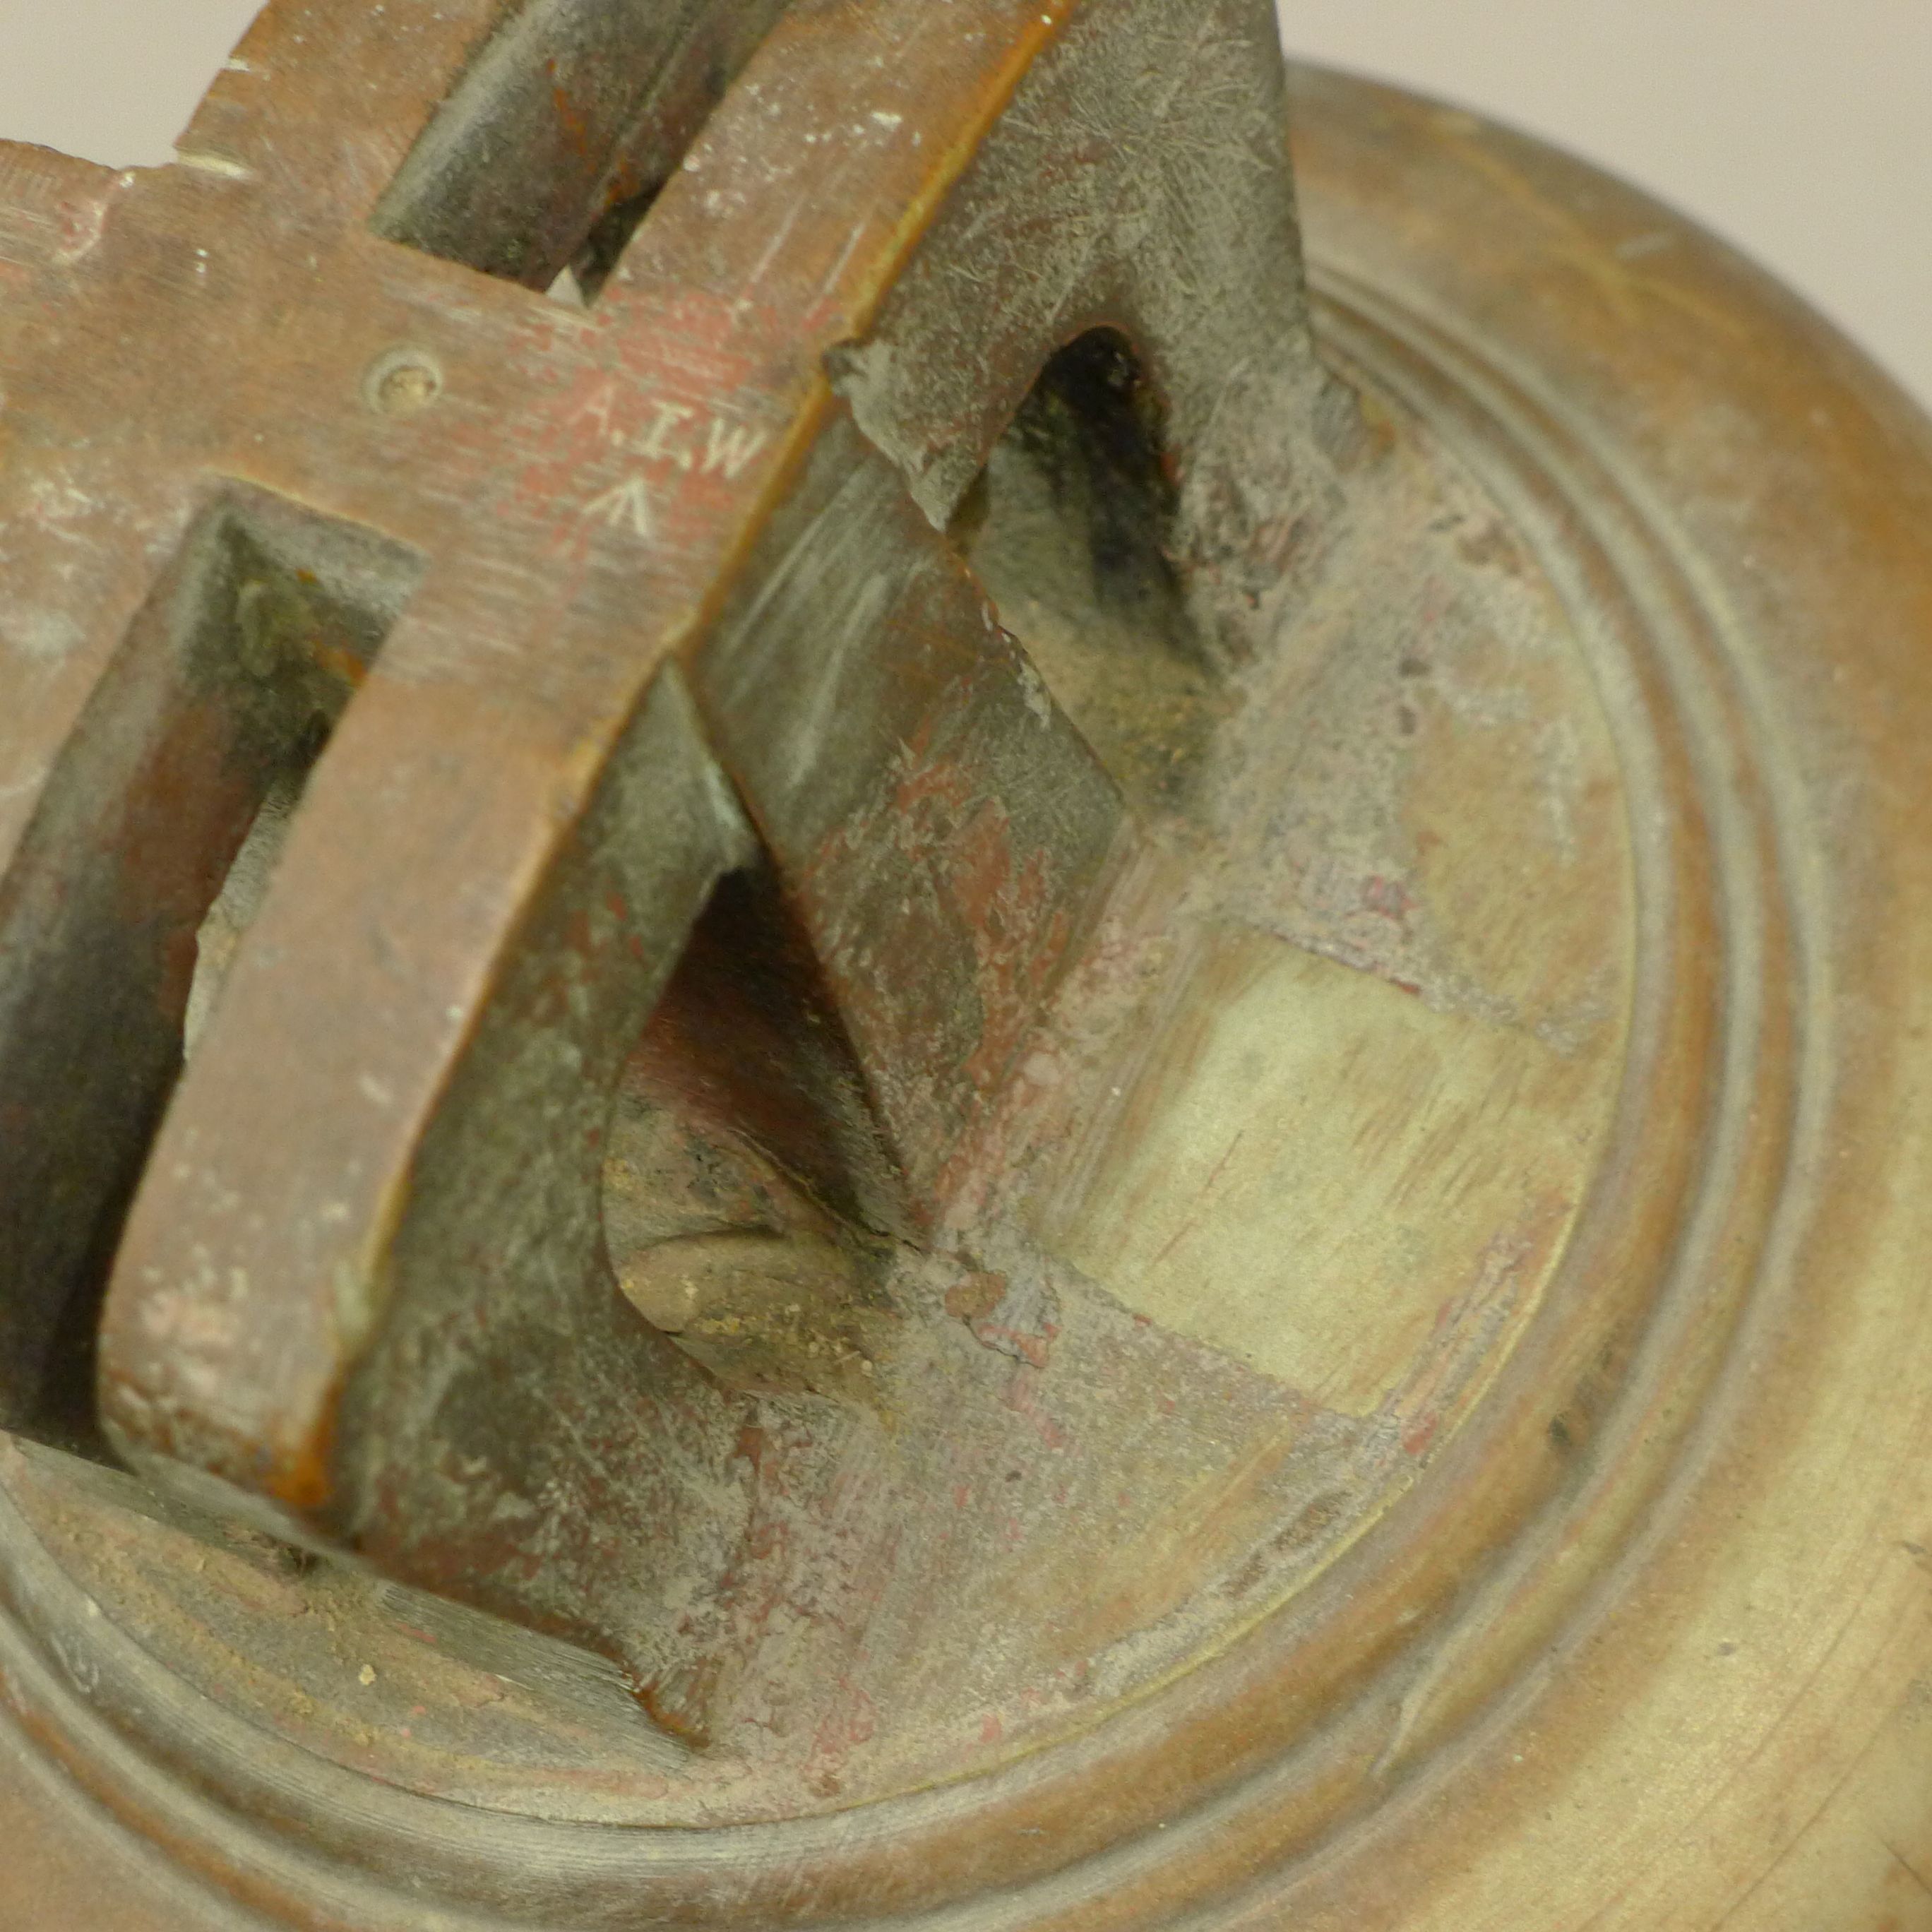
<point x="882" y="1045"/>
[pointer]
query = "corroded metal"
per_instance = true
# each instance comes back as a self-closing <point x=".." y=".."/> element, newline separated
<point x="895" y="1076"/>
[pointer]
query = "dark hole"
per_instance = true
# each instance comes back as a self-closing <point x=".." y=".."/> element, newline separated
<point x="609" y="236"/>
<point x="741" y="1152"/>
<point x="1069" y="527"/>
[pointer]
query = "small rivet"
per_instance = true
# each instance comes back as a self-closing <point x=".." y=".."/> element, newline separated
<point x="402" y="382"/>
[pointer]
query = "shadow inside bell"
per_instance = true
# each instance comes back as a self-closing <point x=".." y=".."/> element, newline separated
<point x="1069" y="527"/>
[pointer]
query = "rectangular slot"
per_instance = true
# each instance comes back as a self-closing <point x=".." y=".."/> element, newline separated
<point x="219" y="701"/>
<point x="552" y="146"/>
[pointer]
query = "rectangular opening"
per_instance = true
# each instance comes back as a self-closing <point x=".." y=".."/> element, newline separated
<point x="216" y="706"/>
<point x="554" y="144"/>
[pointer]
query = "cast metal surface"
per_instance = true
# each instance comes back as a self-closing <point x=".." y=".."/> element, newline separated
<point x="873" y="1050"/>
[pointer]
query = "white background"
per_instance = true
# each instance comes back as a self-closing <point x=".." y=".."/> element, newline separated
<point x="1800" y="129"/>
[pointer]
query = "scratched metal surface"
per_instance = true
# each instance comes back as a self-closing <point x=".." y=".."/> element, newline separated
<point x="1200" y="1291"/>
